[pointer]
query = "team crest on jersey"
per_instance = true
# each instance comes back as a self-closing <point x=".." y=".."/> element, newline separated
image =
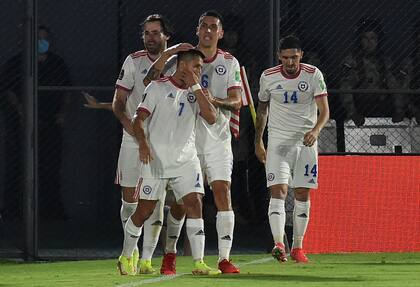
<point x="303" y="86"/>
<point x="147" y="189"/>
<point x="191" y="98"/>
<point x="270" y="176"/>
<point x="121" y="75"/>
<point x="220" y="70"/>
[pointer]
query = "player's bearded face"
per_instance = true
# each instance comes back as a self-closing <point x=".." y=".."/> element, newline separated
<point x="290" y="59"/>
<point x="153" y="37"/>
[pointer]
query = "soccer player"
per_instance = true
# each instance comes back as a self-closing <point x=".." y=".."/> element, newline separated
<point x="290" y="95"/>
<point x="129" y="90"/>
<point x="168" y="152"/>
<point x="221" y="77"/>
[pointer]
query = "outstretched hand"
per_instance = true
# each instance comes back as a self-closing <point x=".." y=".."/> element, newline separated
<point x="91" y="101"/>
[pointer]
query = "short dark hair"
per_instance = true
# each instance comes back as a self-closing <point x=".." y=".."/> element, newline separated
<point x="189" y="55"/>
<point x="164" y="23"/>
<point x="210" y="13"/>
<point x="290" y="42"/>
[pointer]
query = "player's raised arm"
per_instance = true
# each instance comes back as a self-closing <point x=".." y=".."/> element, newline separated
<point x="145" y="153"/>
<point x="159" y="65"/>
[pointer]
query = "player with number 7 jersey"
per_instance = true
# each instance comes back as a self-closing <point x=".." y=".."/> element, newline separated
<point x="290" y="96"/>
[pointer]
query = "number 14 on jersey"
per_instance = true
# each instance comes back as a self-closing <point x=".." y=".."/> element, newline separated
<point x="290" y="98"/>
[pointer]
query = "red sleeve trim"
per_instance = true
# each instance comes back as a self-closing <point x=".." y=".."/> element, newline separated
<point x="322" y="95"/>
<point x="122" y="88"/>
<point x="143" y="109"/>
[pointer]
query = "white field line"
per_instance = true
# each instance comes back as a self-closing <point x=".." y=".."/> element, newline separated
<point x="166" y="278"/>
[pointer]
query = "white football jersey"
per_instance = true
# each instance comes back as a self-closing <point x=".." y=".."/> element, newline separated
<point x="131" y="77"/>
<point x="219" y="75"/>
<point x="292" y="108"/>
<point x="171" y="127"/>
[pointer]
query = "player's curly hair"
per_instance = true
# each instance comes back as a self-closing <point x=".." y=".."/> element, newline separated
<point x="164" y="23"/>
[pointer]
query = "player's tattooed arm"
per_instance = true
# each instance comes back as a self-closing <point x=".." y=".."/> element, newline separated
<point x="233" y="102"/>
<point x="152" y="74"/>
<point x="159" y="65"/>
<point x="261" y="122"/>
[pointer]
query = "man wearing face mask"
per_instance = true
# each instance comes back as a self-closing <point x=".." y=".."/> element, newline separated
<point x="52" y="71"/>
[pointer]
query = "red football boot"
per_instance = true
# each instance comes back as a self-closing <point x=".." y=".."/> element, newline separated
<point x="298" y="255"/>
<point x="227" y="267"/>
<point x="168" y="264"/>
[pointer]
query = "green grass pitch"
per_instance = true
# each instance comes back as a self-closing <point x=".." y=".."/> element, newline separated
<point x="376" y="269"/>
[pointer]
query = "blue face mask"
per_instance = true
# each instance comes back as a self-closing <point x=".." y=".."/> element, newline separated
<point x="43" y="46"/>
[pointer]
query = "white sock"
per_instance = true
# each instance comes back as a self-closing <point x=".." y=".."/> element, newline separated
<point x="225" y="223"/>
<point x="300" y="222"/>
<point x="195" y="233"/>
<point x="131" y="237"/>
<point x="127" y="209"/>
<point x="173" y="231"/>
<point x="277" y="219"/>
<point x="152" y="227"/>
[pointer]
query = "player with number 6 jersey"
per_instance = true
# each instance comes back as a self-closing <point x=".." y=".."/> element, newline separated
<point x="290" y="96"/>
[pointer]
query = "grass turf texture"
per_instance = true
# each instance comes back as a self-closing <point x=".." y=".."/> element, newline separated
<point x="377" y="269"/>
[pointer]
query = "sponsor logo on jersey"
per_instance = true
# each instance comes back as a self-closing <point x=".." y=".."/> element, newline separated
<point x="121" y="75"/>
<point x="279" y="87"/>
<point x="220" y="70"/>
<point x="303" y="86"/>
<point x="197" y="184"/>
<point x="226" y="237"/>
<point x="191" y="98"/>
<point x="322" y="85"/>
<point x="270" y="176"/>
<point x="171" y="96"/>
<point x="312" y="181"/>
<point x="147" y="189"/>
<point x="237" y="76"/>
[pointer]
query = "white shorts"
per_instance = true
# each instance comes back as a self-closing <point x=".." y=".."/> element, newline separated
<point x="155" y="188"/>
<point x="217" y="165"/>
<point x="296" y="166"/>
<point x="128" y="170"/>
